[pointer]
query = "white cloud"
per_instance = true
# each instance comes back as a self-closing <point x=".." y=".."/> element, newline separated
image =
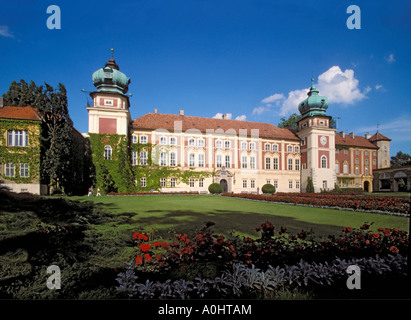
<point x="378" y="87"/>
<point x="390" y="58"/>
<point x="277" y="97"/>
<point x="260" y="110"/>
<point x="229" y="116"/>
<point x="290" y="105"/>
<point x="4" y="31"/>
<point x="243" y="117"/>
<point x="340" y="87"/>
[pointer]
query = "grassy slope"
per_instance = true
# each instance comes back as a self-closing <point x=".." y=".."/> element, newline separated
<point x="186" y="213"/>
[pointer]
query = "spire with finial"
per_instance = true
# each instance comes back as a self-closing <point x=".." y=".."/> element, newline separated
<point x="112" y="63"/>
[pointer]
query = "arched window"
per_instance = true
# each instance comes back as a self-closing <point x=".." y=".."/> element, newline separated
<point x="107" y="152"/>
<point x="163" y="140"/>
<point x="143" y="139"/>
<point x="243" y="145"/>
<point x="323" y="162"/>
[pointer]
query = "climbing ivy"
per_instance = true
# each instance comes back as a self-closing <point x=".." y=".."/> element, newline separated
<point x="16" y="154"/>
<point x="119" y="175"/>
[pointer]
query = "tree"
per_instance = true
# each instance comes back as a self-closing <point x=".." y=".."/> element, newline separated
<point x="56" y="167"/>
<point x="291" y="122"/>
<point x="401" y="159"/>
<point x="310" y="186"/>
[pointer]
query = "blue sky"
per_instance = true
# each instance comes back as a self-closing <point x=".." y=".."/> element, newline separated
<point x="251" y="59"/>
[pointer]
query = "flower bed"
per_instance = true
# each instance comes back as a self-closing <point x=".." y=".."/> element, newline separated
<point x="392" y="205"/>
<point x="180" y="263"/>
<point x="144" y="193"/>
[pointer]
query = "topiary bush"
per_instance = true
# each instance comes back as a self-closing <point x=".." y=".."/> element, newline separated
<point x="268" y="188"/>
<point x="215" y="188"/>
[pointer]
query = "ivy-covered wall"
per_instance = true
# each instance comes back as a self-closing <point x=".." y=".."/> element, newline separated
<point x="17" y="155"/>
<point x="120" y="175"/>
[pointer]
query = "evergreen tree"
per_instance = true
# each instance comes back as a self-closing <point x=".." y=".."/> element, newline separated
<point x="310" y="186"/>
<point x="401" y="159"/>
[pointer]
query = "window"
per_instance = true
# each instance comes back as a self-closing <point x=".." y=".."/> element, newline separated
<point x="227" y="161"/>
<point x="107" y="152"/>
<point x="267" y="163"/>
<point x="366" y="161"/>
<point x="200" y="142"/>
<point x="227" y="144"/>
<point x="275" y="184"/>
<point x="191" y="142"/>
<point x="296" y="149"/>
<point x="275" y="147"/>
<point x="252" y="162"/>
<point x="143" y="158"/>
<point x="173" y="141"/>
<point x="244" y="162"/>
<point x="366" y="152"/>
<point x="18" y="138"/>
<point x="191" y="161"/>
<point x="357" y="161"/>
<point x="201" y="183"/>
<point x="252" y="146"/>
<point x="134" y="156"/>
<point x="366" y="171"/>
<point x="143" y="182"/>
<point x="143" y="139"/>
<point x="172" y="159"/>
<point x="252" y="183"/>
<point x="345" y="151"/>
<point x="268" y="181"/>
<point x="163" y="159"/>
<point x="290" y="184"/>
<point x="201" y="160"/>
<point x="297" y="164"/>
<point x="290" y="164"/>
<point x="243" y="145"/>
<point x="323" y="162"/>
<point x="345" y="168"/>
<point x="374" y="161"/>
<point x="163" y="140"/>
<point x="357" y="170"/>
<point x="275" y="163"/>
<point x="219" y="161"/>
<point x="9" y="172"/>
<point x="108" y="102"/>
<point x="173" y="182"/>
<point x="374" y="153"/>
<point x="325" y="184"/>
<point x="135" y="139"/>
<point x="289" y="148"/>
<point x="24" y="170"/>
<point x="244" y="183"/>
<point x="267" y="147"/>
<point x="337" y="151"/>
<point x="337" y="167"/>
<point x="297" y="184"/>
<point x="191" y="181"/>
<point x="356" y="152"/>
<point x="218" y="144"/>
<point x="162" y="182"/>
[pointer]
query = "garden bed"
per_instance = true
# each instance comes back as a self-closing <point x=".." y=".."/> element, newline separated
<point x="372" y="204"/>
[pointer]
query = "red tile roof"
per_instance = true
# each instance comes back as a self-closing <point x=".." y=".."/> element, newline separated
<point x="358" y="141"/>
<point x="152" y="121"/>
<point x="378" y="137"/>
<point x="26" y="113"/>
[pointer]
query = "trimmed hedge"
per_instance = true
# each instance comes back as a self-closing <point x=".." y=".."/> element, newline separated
<point x="215" y="188"/>
<point x="268" y="188"/>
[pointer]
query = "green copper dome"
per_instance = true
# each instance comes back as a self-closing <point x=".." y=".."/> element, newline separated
<point x="314" y="105"/>
<point x="110" y="79"/>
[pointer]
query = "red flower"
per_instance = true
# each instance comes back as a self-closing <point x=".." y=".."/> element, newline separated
<point x="139" y="260"/>
<point x="148" y="258"/>
<point x="376" y="235"/>
<point x="394" y="249"/>
<point x="145" y="247"/>
<point x="165" y="245"/>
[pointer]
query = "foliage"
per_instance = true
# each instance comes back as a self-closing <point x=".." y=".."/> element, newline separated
<point x="351" y="201"/>
<point x="310" y="186"/>
<point x="215" y="188"/>
<point x="291" y="122"/>
<point x="268" y="188"/>
<point x="401" y="159"/>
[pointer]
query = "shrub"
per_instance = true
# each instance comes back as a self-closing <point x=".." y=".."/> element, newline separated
<point x="310" y="186"/>
<point x="268" y="188"/>
<point x="215" y="188"/>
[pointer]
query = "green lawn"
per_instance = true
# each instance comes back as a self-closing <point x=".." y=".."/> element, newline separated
<point x="184" y="214"/>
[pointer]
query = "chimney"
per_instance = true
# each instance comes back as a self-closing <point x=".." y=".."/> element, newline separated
<point x="155" y="110"/>
<point x="342" y="134"/>
<point x="1" y="102"/>
<point x="367" y="136"/>
<point x="352" y="135"/>
<point x="181" y="112"/>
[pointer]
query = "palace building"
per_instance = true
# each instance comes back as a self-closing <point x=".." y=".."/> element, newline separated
<point x="240" y="155"/>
